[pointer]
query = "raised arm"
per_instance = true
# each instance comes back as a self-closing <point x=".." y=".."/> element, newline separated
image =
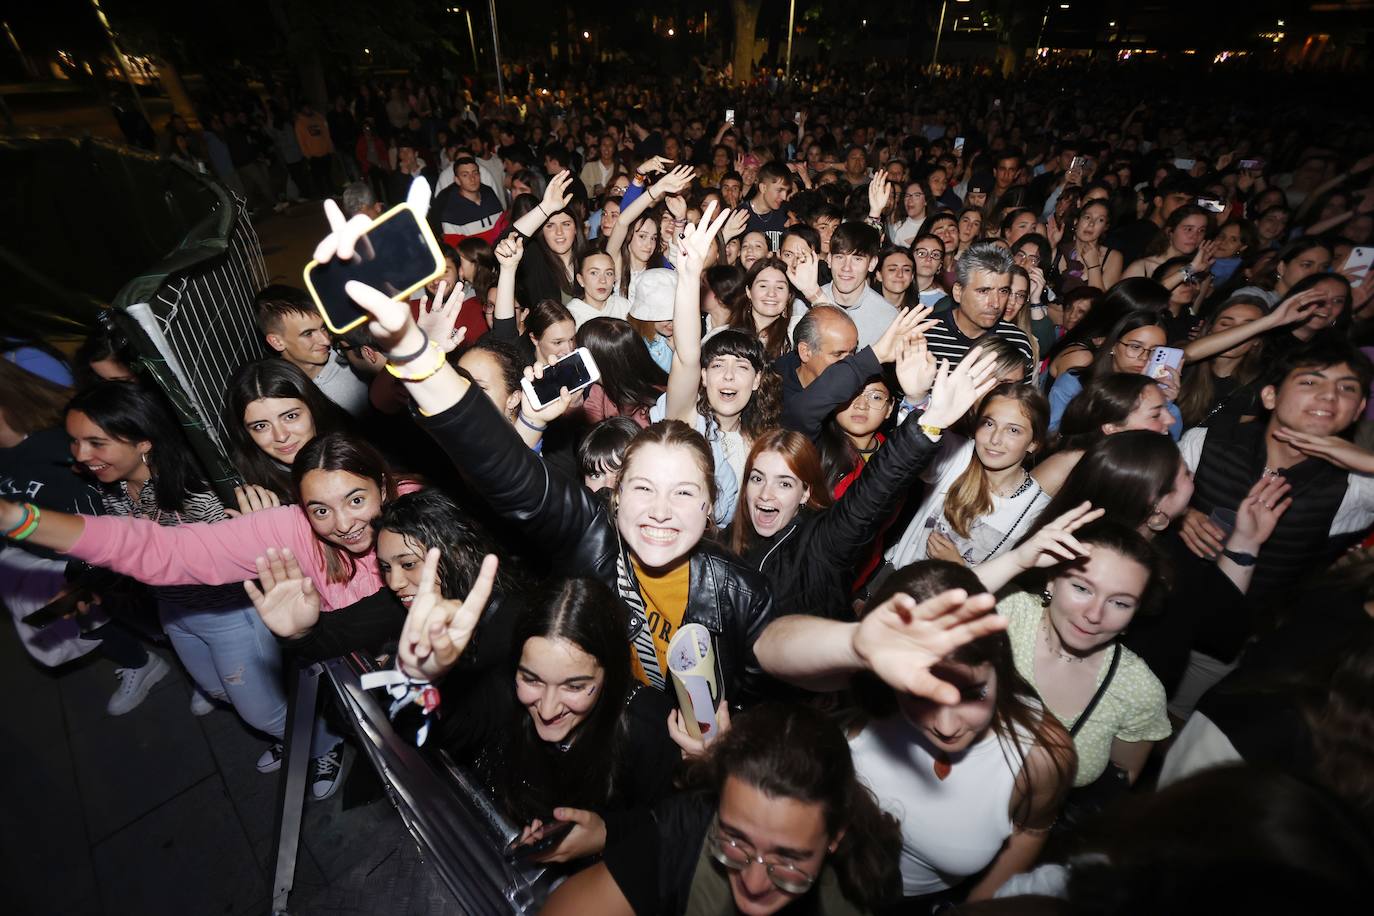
<point x="684" y="378"/>
<point x="1051" y="545"/>
<point x="848" y="528"/>
<point x="509" y="252"/>
<point x="675" y="182"/>
<point x="1256" y="517"/>
<point x="899" y="641"/>
<point x="556" y="197"/>
<point x="1292" y="310"/>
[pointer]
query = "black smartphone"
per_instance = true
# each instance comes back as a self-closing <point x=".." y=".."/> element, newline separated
<point x="574" y="372"/>
<point x="58" y="608"/>
<point x="550" y="835"/>
<point x="397" y="255"/>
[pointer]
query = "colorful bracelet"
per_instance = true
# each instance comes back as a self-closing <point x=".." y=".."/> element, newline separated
<point x="425" y="371"/>
<point x="27" y="525"/>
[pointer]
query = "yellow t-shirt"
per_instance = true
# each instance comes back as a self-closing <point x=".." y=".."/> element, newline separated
<point x="665" y="602"/>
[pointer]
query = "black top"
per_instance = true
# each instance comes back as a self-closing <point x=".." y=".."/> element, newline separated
<point x="947" y="341"/>
<point x="805" y="409"/>
<point x="39" y="470"/>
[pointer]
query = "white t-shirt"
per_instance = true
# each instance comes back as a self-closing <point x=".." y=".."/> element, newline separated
<point x="990" y="535"/>
<point x="340" y="385"/>
<point x="617" y="306"/>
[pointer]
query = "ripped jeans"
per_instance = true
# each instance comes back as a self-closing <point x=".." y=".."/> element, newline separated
<point x="232" y="656"/>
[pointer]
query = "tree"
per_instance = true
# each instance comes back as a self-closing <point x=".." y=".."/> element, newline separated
<point x="746" y="13"/>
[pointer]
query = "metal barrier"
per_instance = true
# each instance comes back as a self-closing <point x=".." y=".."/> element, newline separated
<point x="456" y="826"/>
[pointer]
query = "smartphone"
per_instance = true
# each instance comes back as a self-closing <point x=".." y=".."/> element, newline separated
<point x="397" y="255"/>
<point x="1077" y="163"/>
<point x="1184" y="165"/>
<point x="730" y="115"/>
<point x="996" y="103"/>
<point x="550" y="835"/>
<point x="575" y="371"/>
<point x="1211" y="204"/>
<point x="958" y="146"/>
<point x="58" y="608"/>
<point x="1162" y="358"/>
<point x="1252" y="165"/>
<point x="798" y="117"/>
<point x="1358" y="262"/>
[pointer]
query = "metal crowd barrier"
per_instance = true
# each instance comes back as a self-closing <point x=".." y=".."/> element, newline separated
<point x="458" y="829"/>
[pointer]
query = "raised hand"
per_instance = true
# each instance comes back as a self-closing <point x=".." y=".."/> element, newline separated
<point x="438" y="629"/>
<point x="558" y="194"/>
<point x="677" y="206"/>
<point x="695" y="242"/>
<point x="916" y="368"/>
<point x="908" y="323"/>
<point x="736" y="223"/>
<point x="1055" y="543"/>
<point x="1296" y="309"/>
<point x="675" y="182"/>
<point x="653" y="165"/>
<point x="252" y="498"/>
<point x="553" y="409"/>
<point x="509" y="251"/>
<point x="956" y="391"/>
<point x="1200" y="534"/>
<point x="804" y="274"/>
<point x="439" y="318"/>
<point x="1054" y="232"/>
<point x="1259" y="513"/>
<point x="879" y="193"/>
<point x="1205" y="255"/>
<point x="900" y="640"/>
<point x="1037" y="285"/>
<point x="287" y="602"/>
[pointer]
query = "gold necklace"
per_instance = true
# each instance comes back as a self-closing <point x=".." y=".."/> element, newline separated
<point x="1063" y="656"/>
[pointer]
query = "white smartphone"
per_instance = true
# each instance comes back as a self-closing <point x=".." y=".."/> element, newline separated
<point x="1358" y="262"/>
<point x="1162" y="358"/>
<point x="730" y="115"/>
<point x="1184" y="165"/>
<point x="574" y="372"/>
<point x="958" y="146"/>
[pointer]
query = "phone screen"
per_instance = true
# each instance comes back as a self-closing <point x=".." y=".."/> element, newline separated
<point x="730" y="114"/>
<point x="1252" y="165"/>
<point x="570" y="372"/>
<point x="395" y="256"/>
<point x="958" y="144"/>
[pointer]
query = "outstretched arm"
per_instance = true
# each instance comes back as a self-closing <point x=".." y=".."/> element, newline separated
<point x="1292" y="310"/>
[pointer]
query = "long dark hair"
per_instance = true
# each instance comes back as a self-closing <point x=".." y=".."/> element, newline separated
<point x="1126" y="473"/>
<point x="654" y="216"/>
<point x="1109" y="399"/>
<point x="775" y="337"/>
<point x="348" y="453"/>
<point x="131" y="413"/>
<point x="1102" y="365"/>
<point x="1198" y="399"/>
<point x="1018" y="710"/>
<point x="538" y="777"/>
<point x="796" y="752"/>
<point x="1129" y="295"/>
<point x="765" y="405"/>
<point x="428" y="518"/>
<point x="629" y="375"/>
<point x="839" y="457"/>
<point x="273" y="378"/>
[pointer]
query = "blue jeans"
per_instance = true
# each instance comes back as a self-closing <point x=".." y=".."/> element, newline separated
<point x="232" y="655"/>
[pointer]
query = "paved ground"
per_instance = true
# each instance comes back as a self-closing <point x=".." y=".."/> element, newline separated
<point x="159" y="812"/>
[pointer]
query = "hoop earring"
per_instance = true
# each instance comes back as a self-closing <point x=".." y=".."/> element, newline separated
<point x="144" y="457"/>
<point x="1153" y="522"/>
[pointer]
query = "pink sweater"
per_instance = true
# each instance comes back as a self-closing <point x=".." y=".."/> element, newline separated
<point x="219" y="553"/>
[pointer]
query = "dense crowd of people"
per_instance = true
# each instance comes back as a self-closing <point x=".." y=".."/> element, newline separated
<point x="1017" y="456"/>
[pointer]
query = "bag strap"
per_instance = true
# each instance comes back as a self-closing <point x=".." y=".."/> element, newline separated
<point x="1097" y="697"/>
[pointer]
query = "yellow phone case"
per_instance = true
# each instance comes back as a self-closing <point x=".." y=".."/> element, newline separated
<point x="430" y="241"/>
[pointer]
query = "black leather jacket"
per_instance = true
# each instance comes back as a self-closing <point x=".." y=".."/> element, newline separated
<point x="574" y="528"/>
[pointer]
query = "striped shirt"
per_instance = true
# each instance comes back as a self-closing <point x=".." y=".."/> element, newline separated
<point x="946" y="341"/>
<point x="198" y="507"/>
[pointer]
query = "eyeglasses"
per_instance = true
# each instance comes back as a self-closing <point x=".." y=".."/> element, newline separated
<point x="737" y="856"/>
<point x="874" y="400"/>
<point x="1025" y="257"/>
<point x="1020" y="297"/>
<point x="913" y="195"/>
<point x="1134" y="349"/>
<point x="928" y="254"/>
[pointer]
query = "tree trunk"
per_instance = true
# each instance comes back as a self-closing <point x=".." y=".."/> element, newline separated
<point x="746" y="13"/>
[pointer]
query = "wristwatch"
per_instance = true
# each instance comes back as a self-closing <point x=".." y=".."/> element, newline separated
<point x="1240" y="559"/>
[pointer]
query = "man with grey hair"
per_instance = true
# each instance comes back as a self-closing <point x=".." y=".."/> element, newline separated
<point x="981" y="288"/>
<point x="358" y="198"/>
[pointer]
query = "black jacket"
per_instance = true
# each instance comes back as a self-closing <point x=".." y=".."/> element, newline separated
<point x="805" y="410"/>
<point x="810" y="564"/>
<point x="574" y="529"/>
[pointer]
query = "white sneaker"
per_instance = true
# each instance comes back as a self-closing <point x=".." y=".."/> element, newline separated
<point x="270" y="761"/>
<point x="201" y="705"/>
<point x="135" y="684"/>
<point x="327" y="773"/>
